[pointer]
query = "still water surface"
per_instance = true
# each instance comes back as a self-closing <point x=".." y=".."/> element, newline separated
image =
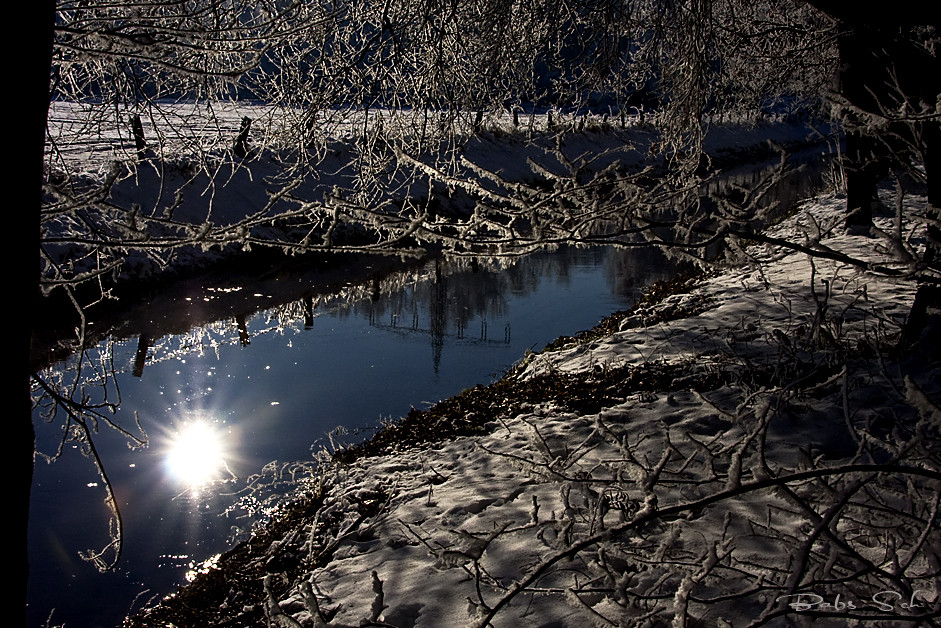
<point x="231" y="396"/>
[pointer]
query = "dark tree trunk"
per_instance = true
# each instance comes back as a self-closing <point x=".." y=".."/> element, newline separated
<point x="140" y="143"/>
<point x="35" y="86"/>
<point x="865" y="80"/>
<point x="921" y="336"/>
<point x="862" y="179"/>
<point x="919" y="346"/>
<point x="884" y="71"/>
<point x="240" y="146"/>
<point x="879" y="69"/>
<point x="931" y="131"/>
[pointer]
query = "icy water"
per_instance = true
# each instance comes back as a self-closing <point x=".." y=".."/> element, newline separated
<point x="262" y="373"/>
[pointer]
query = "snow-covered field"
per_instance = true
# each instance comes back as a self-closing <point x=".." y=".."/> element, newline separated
<point x="89" y="138"/>
<point x="755" y="454"/>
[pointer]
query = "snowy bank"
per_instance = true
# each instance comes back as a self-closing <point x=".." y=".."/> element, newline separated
<point x="751" y="450"/>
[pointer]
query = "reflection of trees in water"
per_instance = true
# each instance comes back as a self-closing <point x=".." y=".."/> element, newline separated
<point x="447" y="292"/>
<point x="438" y="314"/>
<point x="447" y="295"/>
<point x="440" y="298"/>
<point x="443" y="298"/>
<point x="453" y="296"/>
<point x="71" y="403"/>
<point x="629" y="271"/>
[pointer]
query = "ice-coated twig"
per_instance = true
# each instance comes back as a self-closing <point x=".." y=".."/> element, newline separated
<point x="273" y="609"/>
<point x="312" y="604"/>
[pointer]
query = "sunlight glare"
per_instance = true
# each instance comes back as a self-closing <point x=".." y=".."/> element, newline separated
<point x="195" y="454"/>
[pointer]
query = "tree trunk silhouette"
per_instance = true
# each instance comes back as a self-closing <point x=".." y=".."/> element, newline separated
<point x="35" y="83"/>
<point x="882" y="73"/>
<point x="863" y="82"/>
<point x="140" y="143"/>
<point x="932" y="148"/>
<point x="240" y="147"/>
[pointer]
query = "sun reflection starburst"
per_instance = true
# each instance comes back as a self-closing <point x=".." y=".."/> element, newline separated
<point x="196" y="454"/>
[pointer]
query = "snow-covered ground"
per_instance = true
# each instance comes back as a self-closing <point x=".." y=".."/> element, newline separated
<point x="749" y="451"/>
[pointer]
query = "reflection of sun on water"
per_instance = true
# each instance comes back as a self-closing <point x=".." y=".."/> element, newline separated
<point x="204" y="567"/>
<point x="195" y="454"/>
